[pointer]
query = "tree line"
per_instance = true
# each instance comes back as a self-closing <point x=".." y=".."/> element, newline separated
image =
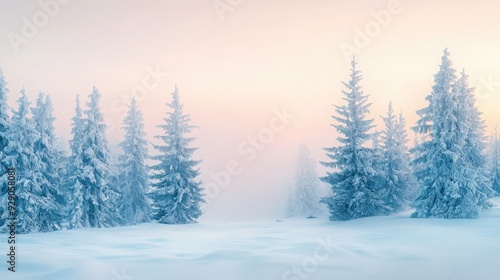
<point x="84" y="189"/>
<point x="451" y="172"/>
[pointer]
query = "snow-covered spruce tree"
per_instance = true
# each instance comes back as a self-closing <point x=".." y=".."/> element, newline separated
<point x="475" y="141"/>
<point x="447" y="179"/>
<point x="99" y="198"/>
<point x="304" y="197"/>
<point x="377" y="153"/>
<point x="50" y="161"/>
<point x="415" y="153"/>
<point x="134" y="202"/>
<point x="402" y="138"/>
<point x="4" y="131"/>
<point x="356" y="183"/>
<point x="494" y="162"/>
<point x="78" y="216"/>
<point x="176" y="195"/>
<point x="34" y="200"/>
<point x="396" y="162"/>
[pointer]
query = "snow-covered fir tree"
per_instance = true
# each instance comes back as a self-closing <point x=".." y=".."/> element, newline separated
<point x="494" y="162"/>
<point x="356" y="183"/>
<point x="134" y="202"/>
<point x="474" y="128"/>
<point x="304" y="197"/>
<point x="34" y="200"/>
<point x="77" y="129"/>
<point x="77" y="217"/>
<point x="4" y="131"/>
<point x="403" y="139"/>
<point x="448" y="181"/>
<point x="415" y="153"/>
<point x="99" y="203"/>
<point x="396" y="161"/>
<point x="176" y="193"/>
<point x="51" y="159"/>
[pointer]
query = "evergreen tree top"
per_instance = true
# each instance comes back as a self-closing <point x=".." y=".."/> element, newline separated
<point x="78" y="108"/>
<point x="23" y="106"/>
<point x="446" y="75"/>
<point x="93" y="112"/>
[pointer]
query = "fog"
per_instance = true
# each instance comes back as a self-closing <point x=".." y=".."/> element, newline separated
<point x="258" y="77"/>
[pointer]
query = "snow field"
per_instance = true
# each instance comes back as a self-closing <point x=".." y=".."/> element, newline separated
<point x="378" y="248"/>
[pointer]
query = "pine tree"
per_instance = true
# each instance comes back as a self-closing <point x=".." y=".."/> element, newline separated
<point x="77" y="129"/>
<point x="494" y="162"/>
<point x="4" y="132"/>
<point x="396" y="161"/>
<point x="447" y="179"/>
<point x="33" y="198"/>
<point x="406" y="162"/>
<point x="415" y="153"/>
<point x="304" y="197"/>
<point x="356" y="183"/>
<point x="77" y="214"/>
<point x="134" y="202"/>
<point x="176" y="195"/>
<point x="475" y="142"/>
<point x="51" y="158"/>
<point x="99" y="198"/>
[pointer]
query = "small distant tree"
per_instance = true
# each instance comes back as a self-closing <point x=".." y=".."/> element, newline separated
<point x="396" y="162"/>
<point x="304" y="197"/>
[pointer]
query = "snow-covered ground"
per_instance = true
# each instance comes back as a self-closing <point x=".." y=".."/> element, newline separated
<point x="381" y="248"/>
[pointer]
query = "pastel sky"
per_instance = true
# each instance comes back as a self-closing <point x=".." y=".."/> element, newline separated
<point x="238" y="64"/>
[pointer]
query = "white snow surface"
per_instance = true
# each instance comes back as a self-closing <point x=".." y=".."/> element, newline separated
<point x="378" y="248"/>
